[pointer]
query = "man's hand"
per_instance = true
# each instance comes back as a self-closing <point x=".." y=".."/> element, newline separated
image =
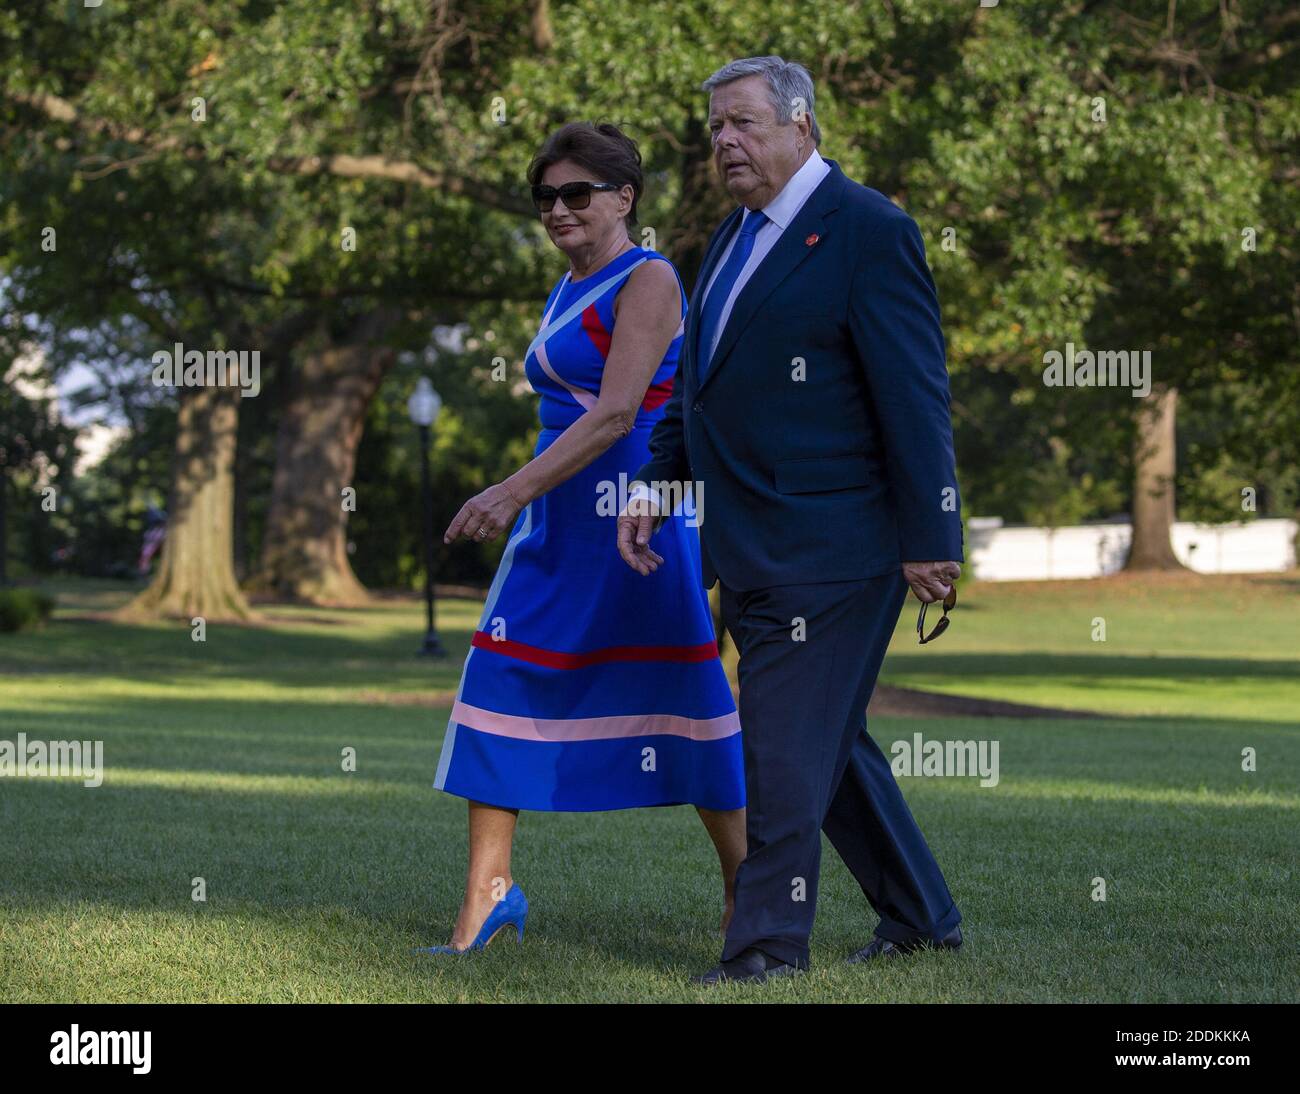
<point x="635" y="525"/>
<point x="931" y="581"/>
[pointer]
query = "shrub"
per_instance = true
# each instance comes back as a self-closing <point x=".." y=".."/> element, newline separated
<point x="21" y="608"/>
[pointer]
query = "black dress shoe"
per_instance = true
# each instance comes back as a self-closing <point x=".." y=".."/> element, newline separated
<point x="883" y="947"/>
<point x="751" y="966"/>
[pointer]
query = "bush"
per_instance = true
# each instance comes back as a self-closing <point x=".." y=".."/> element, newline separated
<point x="21" y="608"/>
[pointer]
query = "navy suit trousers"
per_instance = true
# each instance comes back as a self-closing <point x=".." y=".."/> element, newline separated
<point x="809" y="658"/>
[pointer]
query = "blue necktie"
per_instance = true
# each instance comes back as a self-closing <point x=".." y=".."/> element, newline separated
<point x="722" y="285"/>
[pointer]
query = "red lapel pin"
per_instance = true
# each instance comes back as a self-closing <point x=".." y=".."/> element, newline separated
<point x="811" y="240"/>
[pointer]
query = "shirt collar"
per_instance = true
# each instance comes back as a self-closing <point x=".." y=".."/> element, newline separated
<point x="782" y="208"/>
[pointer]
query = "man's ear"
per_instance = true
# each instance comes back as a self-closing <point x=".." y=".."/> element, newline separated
<point x="804" y="122"/>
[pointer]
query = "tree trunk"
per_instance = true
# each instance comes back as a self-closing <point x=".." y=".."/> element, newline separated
<point x="304" y="550"/>
<point x="195" y="576"/>
<point x="543" y="35"/>
<point x="239" y="524"/>
<point x="4" y="525"/>
<point x="1153" y="489"/>
<point x="701" y="206"/>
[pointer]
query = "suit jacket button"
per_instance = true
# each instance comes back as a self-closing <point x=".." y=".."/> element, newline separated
<point x="698" y="407"/>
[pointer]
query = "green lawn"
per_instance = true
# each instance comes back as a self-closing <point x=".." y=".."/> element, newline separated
<point x="223" y="763"/>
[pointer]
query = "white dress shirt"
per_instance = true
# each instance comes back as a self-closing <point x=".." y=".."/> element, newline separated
<point x="780" y="211"/>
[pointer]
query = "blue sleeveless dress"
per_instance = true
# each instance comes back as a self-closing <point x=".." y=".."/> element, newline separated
<point x="589" y="686"/>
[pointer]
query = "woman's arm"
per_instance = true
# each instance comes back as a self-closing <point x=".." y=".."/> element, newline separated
<point x="648" y="311"/>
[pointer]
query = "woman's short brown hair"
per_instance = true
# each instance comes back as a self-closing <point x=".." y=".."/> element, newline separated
<point x="604" y="150"/>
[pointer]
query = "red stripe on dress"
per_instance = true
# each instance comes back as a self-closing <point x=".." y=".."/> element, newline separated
<point x="554" y="659"/>
<point x="596" y="331"/>
<point x="658" y="394"/>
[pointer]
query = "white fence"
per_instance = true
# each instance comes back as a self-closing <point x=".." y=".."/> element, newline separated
<point x="1036" y="554"/>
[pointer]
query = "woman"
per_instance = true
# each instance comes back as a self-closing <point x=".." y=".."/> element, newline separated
<point x="589" y="686"/>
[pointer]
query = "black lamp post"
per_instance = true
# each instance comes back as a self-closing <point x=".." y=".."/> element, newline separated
<point x="423" y="407"/>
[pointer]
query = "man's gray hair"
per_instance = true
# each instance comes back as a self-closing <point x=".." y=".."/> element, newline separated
<point x="789" y="85"/>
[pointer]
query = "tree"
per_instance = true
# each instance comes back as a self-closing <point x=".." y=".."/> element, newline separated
<point x="1093" y="170"/>
<point x="1153" y="490"/>
<point x="196" y="576"/>
<point x="276" y="180"/>
<point x="304" y="553"/>
<point x="1099" y="173"/>
<point x="32" y="439"/>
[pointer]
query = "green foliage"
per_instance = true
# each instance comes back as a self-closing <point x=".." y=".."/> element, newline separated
<point x="1054" y="497"/>
<point x="22" y="608"/>
<point x="105" y="507"/>
<point x="36" y="455"/>
<point x="1122" y="231"/>
<point x="486" y="431"/>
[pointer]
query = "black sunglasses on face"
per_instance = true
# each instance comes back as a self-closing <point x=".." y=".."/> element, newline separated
<point x="949" y="602"/>
<point x="576" y="195"/>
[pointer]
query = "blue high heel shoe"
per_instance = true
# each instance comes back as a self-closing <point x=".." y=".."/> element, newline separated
<point x="510" y="911"/>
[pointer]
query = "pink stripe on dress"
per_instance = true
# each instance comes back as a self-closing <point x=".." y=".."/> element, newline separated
<point x="584" y="398"/>
<point x="595" y="729"/>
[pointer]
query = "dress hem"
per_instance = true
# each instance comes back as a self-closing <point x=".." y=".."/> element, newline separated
<point x="723" y="808"/>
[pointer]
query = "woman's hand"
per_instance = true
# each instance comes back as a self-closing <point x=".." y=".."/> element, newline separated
<point x="485" y="516"/>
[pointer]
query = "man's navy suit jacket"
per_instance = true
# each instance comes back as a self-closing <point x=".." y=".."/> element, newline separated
<point x="845" y="473"/>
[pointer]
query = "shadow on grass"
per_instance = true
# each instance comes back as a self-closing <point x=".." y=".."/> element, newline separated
<point x="264" y="814"/>
<point x="142" y="653"/>
<point x="1055" y="665"/>
<point x="246" y="790"/>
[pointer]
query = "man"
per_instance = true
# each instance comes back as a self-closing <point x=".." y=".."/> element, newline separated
<point x="812" y="399"/>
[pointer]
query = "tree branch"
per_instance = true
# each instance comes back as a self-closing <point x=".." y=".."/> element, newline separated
<point x="340" y="165"/>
